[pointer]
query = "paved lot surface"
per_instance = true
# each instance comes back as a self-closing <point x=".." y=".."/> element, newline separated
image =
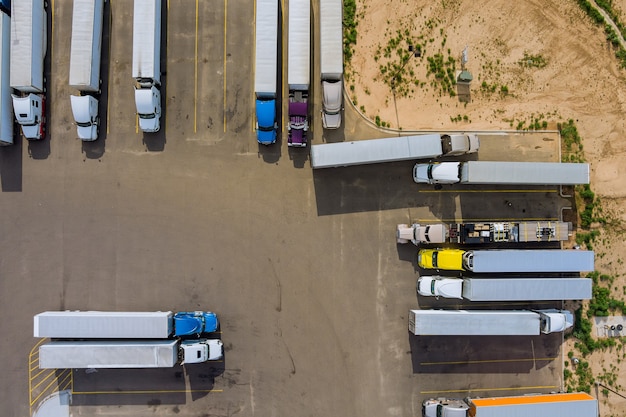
<point x="302" y="267"/>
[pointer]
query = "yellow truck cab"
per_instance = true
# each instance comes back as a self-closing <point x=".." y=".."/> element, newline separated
<point x="449" y="259"/>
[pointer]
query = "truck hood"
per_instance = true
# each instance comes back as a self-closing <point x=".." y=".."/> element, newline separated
<point x="331" y="121"/>
<point x="266" y="119"/>
<point x="23" y="110"/>
<point x="440" y="287"/>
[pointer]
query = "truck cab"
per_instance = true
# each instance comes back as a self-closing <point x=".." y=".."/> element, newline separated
<point x="148" y="102"/>
<point x="435" y="286"/>
<point x="194" y="323"/>
<point x="85" y="111"/>
<point x="266" y="125"/>
<point x="331" y="104"/>
<point x="298" y="121"/>
<point x="448" y="259"/>
<point x="202" y="350"/>
<point x="443" y="407"/>
<point x="455" y="145"/>
<point x="437" y="173"/>
<point x="416" y="233"/>
<point x="30" y="114"/>
<point x="554" y="320"/>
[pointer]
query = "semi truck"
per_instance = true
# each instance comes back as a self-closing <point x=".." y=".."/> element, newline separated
<point x="576" y="404"/>
<point x="6" y="105"/>
<point x="28" y="51"/>
<point x="298" y="72"/>
<point x="331" y="62"/>
<point x="488" y="322"/>
<point x="85" y="52"/>
<point x="490" y="172"/>
<point x="402" y="148"/>
<point x="481" y="233"/>
<point x="506" y="260"/>
<point x="266" y="66"/>
<point x="146" y="69"/>
<point x="96" y="354"/>
<point x="505" y="289"/>
<point x="123" y="325"/>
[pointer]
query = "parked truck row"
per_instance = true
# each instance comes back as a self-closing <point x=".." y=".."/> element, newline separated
<point x="104" y="339"/>
<point x="488" y="322"/>
<point x="578" y="404"/>
<point x="400" y="148"/>
<point x="505" y="289"/>
<point x="491" y="172"/>
<point x="482" y="233"/>
<point x="506" y="260"/>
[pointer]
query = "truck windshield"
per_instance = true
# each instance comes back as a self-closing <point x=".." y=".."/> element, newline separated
<point x="266" y="128"/>
<point x="146" y="115"/>
<point x="435" y="259"/>
<point x="426" y="233"/>
<point x="83" y="124"/>
<point x="429" y="171"/>
<point x="432" y="286"/>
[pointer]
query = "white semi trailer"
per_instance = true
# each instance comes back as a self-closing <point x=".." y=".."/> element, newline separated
<point x="28" y="51"/>
<point x="6" y="106"/>
<point x="85" y="53"/>
<point x="488" y="322"/>
<point x="331" y="62"/>
<point x="490" y="172"/>
<point x="402" y="148"/>
<point x="147" y="63"/>
<point x="505" y="289"/>
<point x="127" y="353"/>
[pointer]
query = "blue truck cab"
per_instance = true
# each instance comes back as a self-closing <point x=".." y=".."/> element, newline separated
<point x="266" y="120"/>
<point x="188" y="323"/>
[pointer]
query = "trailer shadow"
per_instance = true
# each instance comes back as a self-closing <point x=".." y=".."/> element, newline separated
<point x="483" y="354"/>
<point x="151" y="387"/>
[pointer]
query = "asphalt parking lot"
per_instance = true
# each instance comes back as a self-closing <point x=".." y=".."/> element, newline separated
<point x="302" y="267"/>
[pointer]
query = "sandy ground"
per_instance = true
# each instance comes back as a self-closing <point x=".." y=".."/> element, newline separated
<point x="581" y="80"/>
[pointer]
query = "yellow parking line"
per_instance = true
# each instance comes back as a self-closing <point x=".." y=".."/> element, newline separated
<point x="487" y="361"/>
<point x="224" y="70"/>
<point x="177" y="391"/>
<point x="195" y="90"/>
<point x="490" y="389"/>
<point x="44" y="391"/>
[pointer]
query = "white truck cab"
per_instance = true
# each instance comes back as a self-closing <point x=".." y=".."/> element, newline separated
<point x="30" y="114"/>
<point x="148" y="102"/>
<point x="197" y="351"/>
<point x="85" y="111"/>
<point x="443" y="407"/>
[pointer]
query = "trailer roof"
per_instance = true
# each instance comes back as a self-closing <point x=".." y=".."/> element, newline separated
<point x="544" y="173"/>
<point x="27" y="45"/>
<point x="475" y="322"/>
<point x="526" y="289"/>
<point x="109" y="354"/>
<point x="331" y="37"/>
<point x="299" y="43"/>
<point x="146" y="40"/>
<point x="86" y="28"/>
<point x="103" y="324"/>
<point x="547" y="405"/>
<point x="266" y="46"/>
<point x="544" y="260"/>
<point x="375" y="151"/>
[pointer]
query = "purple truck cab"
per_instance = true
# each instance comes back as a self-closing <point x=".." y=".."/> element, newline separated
<point x="298" y="121"/>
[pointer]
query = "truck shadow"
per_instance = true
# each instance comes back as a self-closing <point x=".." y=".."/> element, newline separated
<point x="483" y="354"/>
<point x="11" y="164"/>
<point x="151" y="387"/>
